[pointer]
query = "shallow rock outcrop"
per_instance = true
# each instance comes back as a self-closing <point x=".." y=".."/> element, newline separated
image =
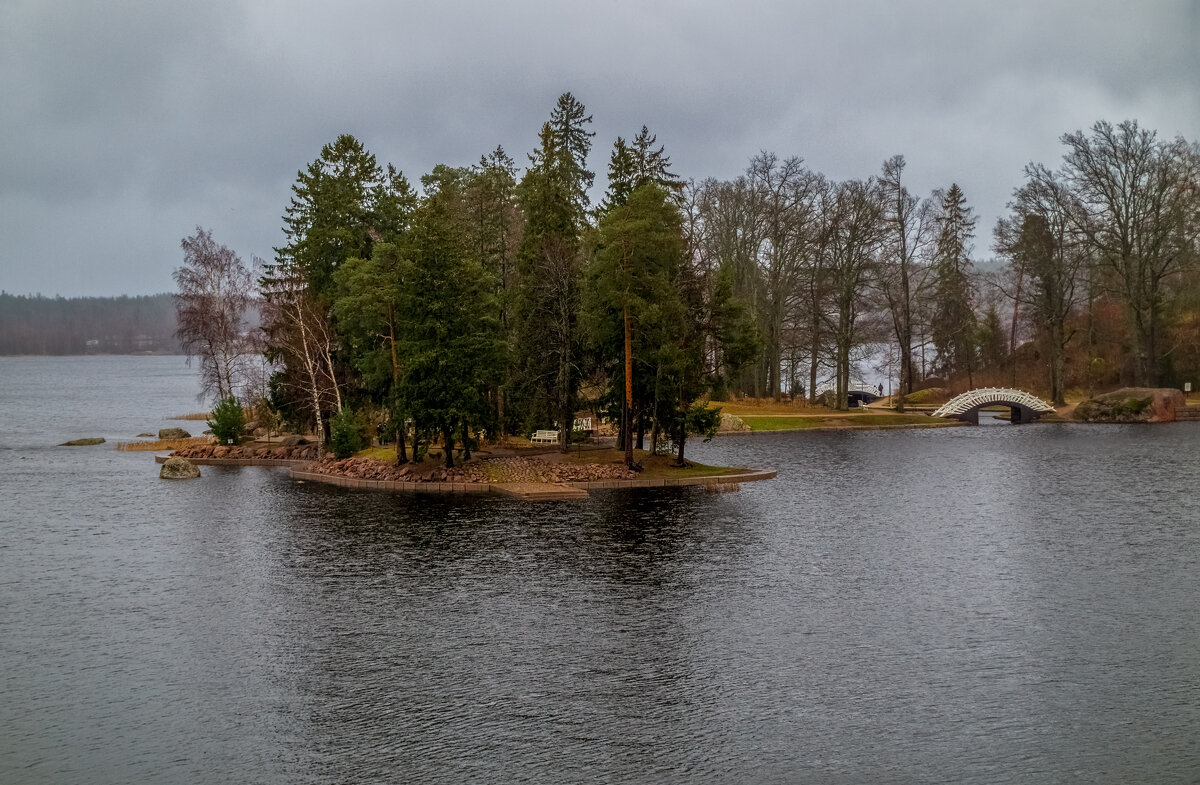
<point x="82" y="442"/>
<point x="204" y="451"/>
<point x="174" y="433"/>
<point x="175" y="468"/>
<point x="1132" y="404"/>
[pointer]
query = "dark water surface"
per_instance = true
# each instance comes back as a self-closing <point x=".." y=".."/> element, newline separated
<point x="994" y="604"/>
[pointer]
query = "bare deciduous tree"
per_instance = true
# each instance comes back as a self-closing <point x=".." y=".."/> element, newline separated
<point x="1139" y="197"/>
<point x="215" y="291"/>
<point x="1042" y="246"/>
<point x="301" y="336"/>
<point x="854" y="234"/>
<point x="903" y="276"/>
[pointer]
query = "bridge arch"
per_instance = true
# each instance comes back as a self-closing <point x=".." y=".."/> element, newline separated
<point x="1025" y="407"/>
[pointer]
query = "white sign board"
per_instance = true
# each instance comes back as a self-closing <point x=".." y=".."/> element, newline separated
<point x="1187" y="386"/>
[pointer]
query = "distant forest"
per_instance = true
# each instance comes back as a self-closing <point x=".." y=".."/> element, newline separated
<point x="87" y="325"/>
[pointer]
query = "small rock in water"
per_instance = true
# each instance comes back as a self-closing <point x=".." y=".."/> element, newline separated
<point x="174" y="433"/>
<point x="175" y="468"/>
<point x="82" y="442"/>
<point x="145" y="436"/>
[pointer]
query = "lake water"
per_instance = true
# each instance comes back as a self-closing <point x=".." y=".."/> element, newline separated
<point x="968" y="605"/>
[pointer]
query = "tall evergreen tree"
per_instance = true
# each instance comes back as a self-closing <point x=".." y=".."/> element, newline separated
<point x="553" y="195"/>
<point x="343" y="203"/>
<point x="634" y="306"/>
<point x="632" y="166"/>
<point x="622" y="176"/>
<point x="569" y="123"/>
<point x="953" y="323"/>
<point x="449" y="337"/>
<point x="370" y="315"/>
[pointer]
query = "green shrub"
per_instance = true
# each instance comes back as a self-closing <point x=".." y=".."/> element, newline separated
<point x="227" y="421"/>
<point x="344" y="436"/>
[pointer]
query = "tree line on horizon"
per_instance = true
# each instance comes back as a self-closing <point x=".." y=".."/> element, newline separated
<point x="499" y="301"/>
<point x="38" y="325"/>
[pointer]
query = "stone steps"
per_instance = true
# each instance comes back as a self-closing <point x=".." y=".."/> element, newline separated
<point x="538" y="491"/>
<point x="1190" y="414"/>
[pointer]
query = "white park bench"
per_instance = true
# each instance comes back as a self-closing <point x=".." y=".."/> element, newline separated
<point x="544" y="437"/>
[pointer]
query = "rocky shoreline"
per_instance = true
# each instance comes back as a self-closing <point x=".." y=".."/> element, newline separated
<point x="531" y="469"/>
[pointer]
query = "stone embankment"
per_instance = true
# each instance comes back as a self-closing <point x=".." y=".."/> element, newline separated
<point x="536" y="470"/>
<point x="367" y="469"/>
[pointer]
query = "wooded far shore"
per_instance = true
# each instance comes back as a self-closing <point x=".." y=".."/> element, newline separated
<point x="39" y="325"/>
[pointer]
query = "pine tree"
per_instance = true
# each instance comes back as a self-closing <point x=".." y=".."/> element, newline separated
<point x="643" y="306"/>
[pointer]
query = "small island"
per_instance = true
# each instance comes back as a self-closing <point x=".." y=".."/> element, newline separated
<point x="530" y="473"/>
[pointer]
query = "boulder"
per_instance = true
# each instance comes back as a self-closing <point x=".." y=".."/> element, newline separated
<point x="175" y="468"/>
<point x="145" y="436"/>
<point x="82" y="442"/>
<point x="731" y="424"/>
<point x="1132" y="404"/>
<point x="174" y="433"/>
<point x="292" y="440"/>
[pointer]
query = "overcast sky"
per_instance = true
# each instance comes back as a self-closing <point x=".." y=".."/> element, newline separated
<point x="126" y="124"/>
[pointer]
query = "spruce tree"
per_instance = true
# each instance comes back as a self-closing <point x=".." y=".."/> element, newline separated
<point x="953" y="322"/>
<point x="449" y="337"/>
<point x="553" y="195"/>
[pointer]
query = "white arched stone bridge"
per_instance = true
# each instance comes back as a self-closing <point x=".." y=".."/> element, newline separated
<point x="965" y="407"/>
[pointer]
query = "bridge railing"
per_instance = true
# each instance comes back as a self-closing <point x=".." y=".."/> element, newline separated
<point x="985" y="396"/>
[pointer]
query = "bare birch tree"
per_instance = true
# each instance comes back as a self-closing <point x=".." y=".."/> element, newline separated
<point x="215" y="291"/>
<point x="301" y="336"/>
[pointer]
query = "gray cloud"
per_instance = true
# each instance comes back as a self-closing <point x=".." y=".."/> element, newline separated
<point x="126" y="124"/>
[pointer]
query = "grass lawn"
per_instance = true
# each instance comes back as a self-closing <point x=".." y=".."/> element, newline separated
<point x="794" y="423"/>
<point x="764" y="407"/>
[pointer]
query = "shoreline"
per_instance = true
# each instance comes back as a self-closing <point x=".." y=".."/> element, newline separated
<point x="815" y="428"/>
<point x="529" y="491"/>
